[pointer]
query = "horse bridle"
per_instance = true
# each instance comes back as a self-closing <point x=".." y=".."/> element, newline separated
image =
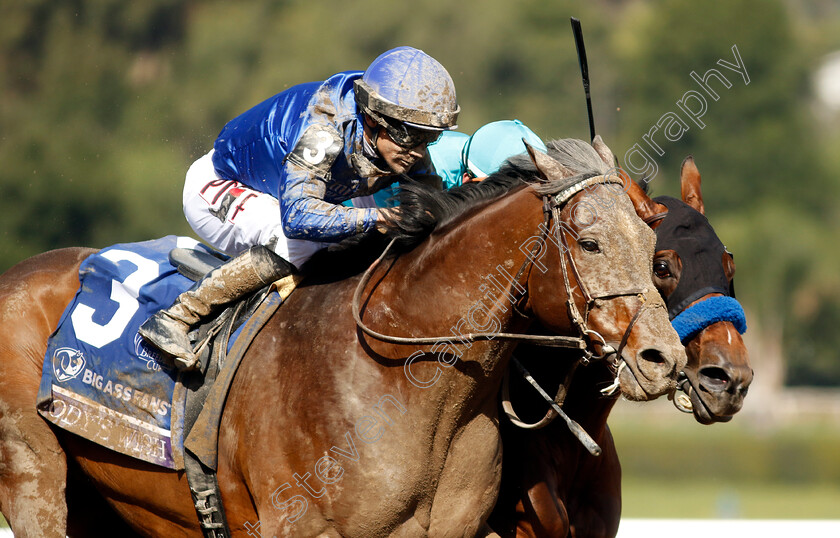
<point x="707" y="287"/>
<point x="581" y="321"/>
<point x="552" y="208"/>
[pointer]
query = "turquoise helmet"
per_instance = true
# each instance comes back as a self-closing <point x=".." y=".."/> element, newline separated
<point x="446" y="157"/>
<point x="494" y="143"/>
<point x="408" y="85"/>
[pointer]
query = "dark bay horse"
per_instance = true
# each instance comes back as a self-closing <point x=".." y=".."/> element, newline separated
<point x="551" y="486"/>
<point x="718" y="371"/>
<point x="330" y="432"/>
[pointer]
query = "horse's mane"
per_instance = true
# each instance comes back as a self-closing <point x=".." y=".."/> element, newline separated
<point x="423" y="209"/>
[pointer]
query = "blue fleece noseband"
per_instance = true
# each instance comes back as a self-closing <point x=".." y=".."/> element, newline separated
<point x="694" y="319"/>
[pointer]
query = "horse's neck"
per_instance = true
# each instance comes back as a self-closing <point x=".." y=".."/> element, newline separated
<point x="450" y="285"/>
<point x="464" y="262"/>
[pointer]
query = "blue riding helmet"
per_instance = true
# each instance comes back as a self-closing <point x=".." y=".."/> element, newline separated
<point x="494" y="143"/>
<point x="408" y="85"/>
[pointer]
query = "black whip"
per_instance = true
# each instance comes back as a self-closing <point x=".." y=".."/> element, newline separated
<point x="584" y="71"/>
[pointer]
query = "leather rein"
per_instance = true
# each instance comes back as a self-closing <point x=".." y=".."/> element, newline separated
<point x="545" y="340"/>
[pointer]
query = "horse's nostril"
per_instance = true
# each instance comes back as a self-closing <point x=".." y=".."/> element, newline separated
<point x="653" y="356"/>
<point x="715" y="376"/>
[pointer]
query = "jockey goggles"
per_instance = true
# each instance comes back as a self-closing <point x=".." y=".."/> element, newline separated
<point x="403" y="135"/>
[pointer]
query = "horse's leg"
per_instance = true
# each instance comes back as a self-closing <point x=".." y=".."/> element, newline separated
<point x="33" y="466"/>
<point x="541" y="514"/>
<point x="595" y="504"/>
<point x="463" y="501"/>
<point x="85" y="513"/>
<point x="528" y="504"/>
<point x="33" y="470"/>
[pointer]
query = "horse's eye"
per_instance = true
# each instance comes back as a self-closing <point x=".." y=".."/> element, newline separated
<point x="589" y="245"/>
<point x="661" y="270"/>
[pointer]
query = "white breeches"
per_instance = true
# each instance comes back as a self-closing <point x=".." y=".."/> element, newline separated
<point x="232" y="217"/>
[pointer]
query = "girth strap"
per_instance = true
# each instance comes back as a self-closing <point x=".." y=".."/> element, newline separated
<point x="202" y="481"/>
<point x="205" y="404"/>
<point x="207" y="498"/>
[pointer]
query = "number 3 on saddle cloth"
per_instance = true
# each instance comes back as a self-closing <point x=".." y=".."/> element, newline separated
<point x="100" y="379"/>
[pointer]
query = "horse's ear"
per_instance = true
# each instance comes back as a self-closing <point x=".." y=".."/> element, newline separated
<point x="603" y="151"/>
<point x="547" y="166"/>
<point x="646" y="208"/>
<point x="690" y="185"/>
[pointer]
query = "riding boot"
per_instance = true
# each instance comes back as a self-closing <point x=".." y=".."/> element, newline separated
<point x="248" y="272"/>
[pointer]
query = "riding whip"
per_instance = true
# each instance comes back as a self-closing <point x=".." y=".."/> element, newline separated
<point x="584" y="71"/>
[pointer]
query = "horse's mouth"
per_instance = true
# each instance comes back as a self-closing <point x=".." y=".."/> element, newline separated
<point x="701" y="410"/>
<point x="631" y="387"/>
<point x="626" y="382"/>
<point x="636" y="386"/>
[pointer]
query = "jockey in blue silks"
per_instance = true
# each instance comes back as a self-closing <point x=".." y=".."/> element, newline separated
<point x="269" y="194"/>
<point x="459" y="158"/>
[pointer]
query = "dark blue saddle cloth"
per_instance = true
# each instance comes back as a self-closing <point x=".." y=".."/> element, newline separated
<point x="100" y="379"/>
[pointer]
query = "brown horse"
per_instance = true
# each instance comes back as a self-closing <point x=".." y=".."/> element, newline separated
<point x="330" y="432"/>
<point x="718" y="373"/>
<point x="551" y="486"/>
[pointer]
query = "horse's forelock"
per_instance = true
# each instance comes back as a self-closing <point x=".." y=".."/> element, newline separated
<point x="578" y="156"/>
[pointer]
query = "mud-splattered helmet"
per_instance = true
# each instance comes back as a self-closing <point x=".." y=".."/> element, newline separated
<point x="410" y="94"/>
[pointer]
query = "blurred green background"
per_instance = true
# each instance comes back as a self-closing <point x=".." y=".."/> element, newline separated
<point x="105" y="103"/>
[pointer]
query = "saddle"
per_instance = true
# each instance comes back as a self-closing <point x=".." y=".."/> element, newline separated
<point x="194" y="264"/>
<point x="100" y="380"/>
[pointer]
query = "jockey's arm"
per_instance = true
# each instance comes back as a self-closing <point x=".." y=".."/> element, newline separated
<point x="306" y="215"/>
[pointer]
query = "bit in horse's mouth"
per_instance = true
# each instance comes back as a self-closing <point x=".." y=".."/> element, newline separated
<point x="696" y="390"/>
<point x="702" y="413"/>
<point x="616" y="384"/>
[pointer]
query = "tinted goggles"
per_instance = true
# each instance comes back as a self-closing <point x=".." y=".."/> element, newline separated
<point x="403" y="135"/>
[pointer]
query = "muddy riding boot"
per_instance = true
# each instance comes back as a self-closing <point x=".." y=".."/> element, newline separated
<point x="248" y="272"/>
